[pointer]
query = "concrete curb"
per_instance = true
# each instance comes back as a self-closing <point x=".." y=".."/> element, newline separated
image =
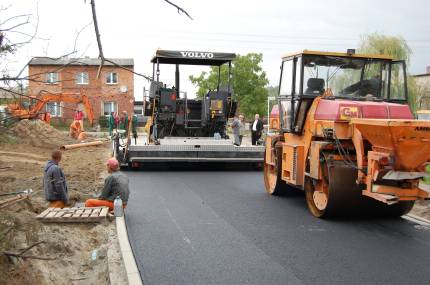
<point x="133" y="274"/>
<point x="417" y="219"/>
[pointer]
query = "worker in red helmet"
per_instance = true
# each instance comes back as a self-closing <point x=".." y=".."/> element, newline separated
<point x="116" y="185"/>
<point x="79" y="116"/>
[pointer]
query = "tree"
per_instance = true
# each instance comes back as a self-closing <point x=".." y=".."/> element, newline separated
<point x="273" y="91"/>
<point x="398" y="48"/>
<point x="248" y="83"/>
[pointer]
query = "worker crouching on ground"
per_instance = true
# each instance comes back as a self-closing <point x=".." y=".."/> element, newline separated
<point x="116" y="184"/>
<point x="76" y="131"/>
<point x="54" y="182"/>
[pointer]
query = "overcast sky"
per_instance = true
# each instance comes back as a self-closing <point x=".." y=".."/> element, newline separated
<point x="136" y="29"/>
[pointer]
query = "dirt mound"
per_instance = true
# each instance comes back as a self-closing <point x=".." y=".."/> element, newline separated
<point x="38" y="133"/>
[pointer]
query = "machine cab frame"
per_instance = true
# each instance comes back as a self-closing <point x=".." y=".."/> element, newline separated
<point x="307" y="75"/>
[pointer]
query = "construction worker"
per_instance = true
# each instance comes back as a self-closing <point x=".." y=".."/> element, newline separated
<point x="123" y="123"/>
<point x="79" y="116"/>
<point x="116" y="185"/>
<point x="111" y="123"/>
<point x="54" y="182"/>
<point x="241" y="128"/>
<point x="46" y="117"/>
<point x="134" y="128"/>
<point x="235" y="126"/>
<point x="75" y="129"/>
<point x="116" y="120"/>
<point x="76" y="132"/>
<point x="256" y="129"/>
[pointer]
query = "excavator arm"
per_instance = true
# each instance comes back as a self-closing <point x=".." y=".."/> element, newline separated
<point x="64" y="97"/>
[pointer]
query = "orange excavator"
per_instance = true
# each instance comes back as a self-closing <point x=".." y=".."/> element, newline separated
<point x="345" y="134"/>
<point x="18" y="111"/>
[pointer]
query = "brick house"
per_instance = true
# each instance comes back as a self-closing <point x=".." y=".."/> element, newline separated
<point x="112" y="91"/>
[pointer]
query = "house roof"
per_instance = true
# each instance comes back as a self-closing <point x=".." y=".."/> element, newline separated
<point x="323" y="53"/>
<point x="40" y="60"/>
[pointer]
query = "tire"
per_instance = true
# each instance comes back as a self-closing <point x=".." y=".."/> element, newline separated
<point x="272" y="175"/>
<point x="343" y="197"/>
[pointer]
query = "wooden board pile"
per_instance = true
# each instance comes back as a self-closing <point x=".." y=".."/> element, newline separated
<point x="73" y="215"/>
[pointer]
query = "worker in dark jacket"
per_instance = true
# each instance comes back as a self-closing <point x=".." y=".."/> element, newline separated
<point x="134" y="128"/>
<point x="116" y="185"/>
<point x="256" y="129"/>
<point x="54" y="182"/>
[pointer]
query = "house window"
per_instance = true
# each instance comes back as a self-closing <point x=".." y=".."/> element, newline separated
<point x="109" y="107"/>
<point x="138" y="110"/>
<point x="82" y="78"/>
<point x="54" y="108"/>
<point x="112" y="78"/>
<point x="52" y="78"/>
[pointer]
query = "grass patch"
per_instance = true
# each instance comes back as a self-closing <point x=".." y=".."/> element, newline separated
<point x="6" y="138"/>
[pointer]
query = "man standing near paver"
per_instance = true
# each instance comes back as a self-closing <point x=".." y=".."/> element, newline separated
<point x="235" y="126"/>
<point x="256" y="129"/>
<point x="134" y="127"/>
<point x="123" y="122"/>
<point x="241" y="128"/>
<point x="54" y="182"/>
<point x="111" y="123"/>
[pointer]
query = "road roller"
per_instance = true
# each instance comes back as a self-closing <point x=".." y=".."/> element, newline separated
<point x="342" y="132"/>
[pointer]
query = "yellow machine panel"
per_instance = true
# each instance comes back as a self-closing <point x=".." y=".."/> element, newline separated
<point x="292" y="163"/>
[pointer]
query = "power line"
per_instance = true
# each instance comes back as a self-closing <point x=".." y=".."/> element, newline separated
<point x="276" y="36"/>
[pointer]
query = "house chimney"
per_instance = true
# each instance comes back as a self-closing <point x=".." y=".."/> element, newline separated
<point x="428" y="69"/>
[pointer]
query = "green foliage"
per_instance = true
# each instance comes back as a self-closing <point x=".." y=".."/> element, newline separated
<point x="375" y="43"/>
<point x="6" y="138"/>
<point x="248" y="83"/>
<point x="103" y="121"/>
<point x="273" y="91"/>
<point x="414" y="94"/>
<point x="398" y="48"/>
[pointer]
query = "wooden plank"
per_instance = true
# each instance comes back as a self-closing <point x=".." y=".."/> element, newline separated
<point x="73" y="215"/>
<point x="43" y="214"/>
<point x="51" y="214"/>
<point x="78" y="213"/>
<point x="104" y="212"/>
<point x="96" y="212"/>
<point x="58" y="214"/>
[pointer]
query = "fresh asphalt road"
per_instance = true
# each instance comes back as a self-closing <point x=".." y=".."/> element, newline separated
<point x="203" y="227"/>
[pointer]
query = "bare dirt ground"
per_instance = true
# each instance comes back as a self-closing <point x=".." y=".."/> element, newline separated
<point x="80" y="250"/>
<point x="422" y="209"/>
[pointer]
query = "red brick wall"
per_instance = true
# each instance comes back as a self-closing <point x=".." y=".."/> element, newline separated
<point x="97" y="90"/>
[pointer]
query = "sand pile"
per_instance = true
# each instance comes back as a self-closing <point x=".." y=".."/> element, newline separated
<point x="38" y="133"/>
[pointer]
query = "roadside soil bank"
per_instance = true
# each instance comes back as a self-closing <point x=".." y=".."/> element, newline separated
<point x="80" y="250"/>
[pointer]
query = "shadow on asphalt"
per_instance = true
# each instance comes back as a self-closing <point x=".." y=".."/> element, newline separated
<point x="296" y="197"/>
